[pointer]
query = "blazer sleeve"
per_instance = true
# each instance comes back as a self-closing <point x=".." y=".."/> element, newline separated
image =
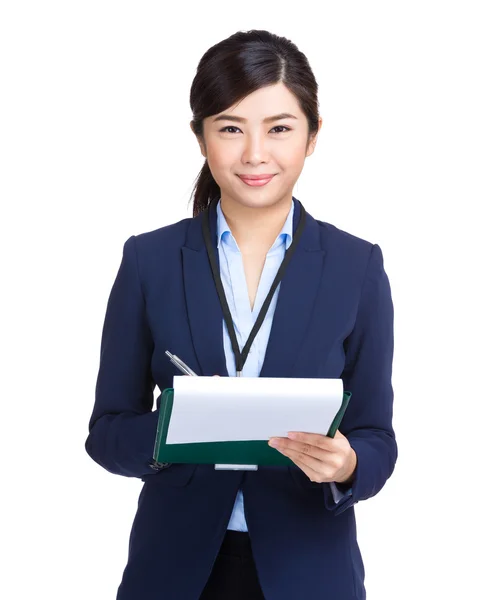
<point x="367" y="374"/>
<point x="123" y="426"/>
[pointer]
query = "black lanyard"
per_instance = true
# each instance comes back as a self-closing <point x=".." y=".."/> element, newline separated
<point x="241" y="357"/>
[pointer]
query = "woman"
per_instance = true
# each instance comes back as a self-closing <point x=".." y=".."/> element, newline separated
<point x="278" y="532"/>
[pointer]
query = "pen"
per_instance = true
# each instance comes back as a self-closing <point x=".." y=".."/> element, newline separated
<point x="180" y="364"/>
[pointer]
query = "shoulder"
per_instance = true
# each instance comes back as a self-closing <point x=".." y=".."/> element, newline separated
<point x="344" y="244"/>
<point x="151" y="250"/>
<point x="352" y="258"/>
<point x="158" y="242"/>
<point x="167" y="237"/>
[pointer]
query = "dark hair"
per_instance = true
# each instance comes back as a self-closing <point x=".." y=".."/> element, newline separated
<point x="234" y="68"/>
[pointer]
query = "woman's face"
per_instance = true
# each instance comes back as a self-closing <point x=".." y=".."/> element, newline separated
<point x="245" y="140"/>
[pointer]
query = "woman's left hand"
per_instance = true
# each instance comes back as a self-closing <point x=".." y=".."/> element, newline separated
<point x="322" y="458"/>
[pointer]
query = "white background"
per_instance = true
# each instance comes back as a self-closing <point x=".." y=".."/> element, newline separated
<point x="96" y="147"/>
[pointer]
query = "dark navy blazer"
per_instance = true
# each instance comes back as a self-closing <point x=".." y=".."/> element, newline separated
<point x="334" y="318"/>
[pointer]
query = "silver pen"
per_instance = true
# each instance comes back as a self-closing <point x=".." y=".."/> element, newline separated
<point x="180" y="364"/>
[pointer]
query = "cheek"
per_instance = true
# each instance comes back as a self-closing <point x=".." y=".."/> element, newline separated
<point x="221" y="170"/>
<point x="217" y="162"/>
<point x="292" y="167"/>
<point x="221" y="156"/>
<point x="291" y="156"/>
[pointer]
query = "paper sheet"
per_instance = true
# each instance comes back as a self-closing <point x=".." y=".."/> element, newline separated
<point x="219" y="409"/>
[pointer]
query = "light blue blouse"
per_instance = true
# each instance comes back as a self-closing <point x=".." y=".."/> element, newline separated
<point x="243" y="317"/>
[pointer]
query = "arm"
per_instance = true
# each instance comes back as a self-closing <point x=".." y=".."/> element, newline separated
<point x="123" y="426"/>
<point x="367" y="374"/>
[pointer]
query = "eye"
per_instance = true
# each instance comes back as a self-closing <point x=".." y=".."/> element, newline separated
<point x="224" y="129"/>
<point x="284" y="127"/>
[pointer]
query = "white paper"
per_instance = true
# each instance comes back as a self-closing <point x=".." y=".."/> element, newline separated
<point x="220" y="409"/>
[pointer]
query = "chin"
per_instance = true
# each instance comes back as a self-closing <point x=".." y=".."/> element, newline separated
<point x="256" y="199"/>
<point x="263" y="202"/>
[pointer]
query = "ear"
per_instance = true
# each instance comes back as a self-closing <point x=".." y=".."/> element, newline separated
<point x="312" y="141"/>
<point x="200" y="141"/>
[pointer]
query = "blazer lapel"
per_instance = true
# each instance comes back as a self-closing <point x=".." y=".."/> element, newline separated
<point x="297" y="296"/>
<point x="203" y="305"/>
<point x="296" y="300"/>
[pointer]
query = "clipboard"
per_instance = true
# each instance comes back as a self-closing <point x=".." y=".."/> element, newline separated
<point x="235" y="453"/>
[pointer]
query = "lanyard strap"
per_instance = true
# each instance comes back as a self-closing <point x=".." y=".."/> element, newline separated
<point x="240" y="358"/>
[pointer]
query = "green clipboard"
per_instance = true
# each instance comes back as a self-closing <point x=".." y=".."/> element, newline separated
<point x="255" y="452"/>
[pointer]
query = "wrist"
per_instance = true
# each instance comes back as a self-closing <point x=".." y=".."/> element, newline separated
<point x="350" y="474"/>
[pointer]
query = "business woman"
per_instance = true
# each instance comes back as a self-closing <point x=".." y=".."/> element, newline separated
<point x="279" y="533"/>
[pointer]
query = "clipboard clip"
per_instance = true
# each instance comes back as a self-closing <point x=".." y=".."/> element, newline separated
<point x="221" y="467"/>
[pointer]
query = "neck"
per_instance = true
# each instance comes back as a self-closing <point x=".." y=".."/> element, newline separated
<point x="255" y="229"/>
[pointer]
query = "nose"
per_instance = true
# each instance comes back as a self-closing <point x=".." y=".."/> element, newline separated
<point x="256" y="149"/>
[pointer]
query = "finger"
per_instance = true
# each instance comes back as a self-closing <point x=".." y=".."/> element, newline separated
<point x="284" y="444"/>
<point x="314" y="439"/>
<point x="326" y="469"/>
<point x="304" y="443"/>
<point x="313" y="475"/>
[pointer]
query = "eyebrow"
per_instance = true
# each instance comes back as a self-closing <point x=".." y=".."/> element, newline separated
<point x="225" y="117"/>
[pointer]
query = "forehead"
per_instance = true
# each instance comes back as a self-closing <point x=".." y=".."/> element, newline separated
<point x="266" y="101"/>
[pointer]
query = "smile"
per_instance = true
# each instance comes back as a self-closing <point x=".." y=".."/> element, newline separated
<point x="255" y="182"/>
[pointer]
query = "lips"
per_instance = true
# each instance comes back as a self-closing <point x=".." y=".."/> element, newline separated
<point x="256" y="180"/>
<point x="263" y="176"/>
